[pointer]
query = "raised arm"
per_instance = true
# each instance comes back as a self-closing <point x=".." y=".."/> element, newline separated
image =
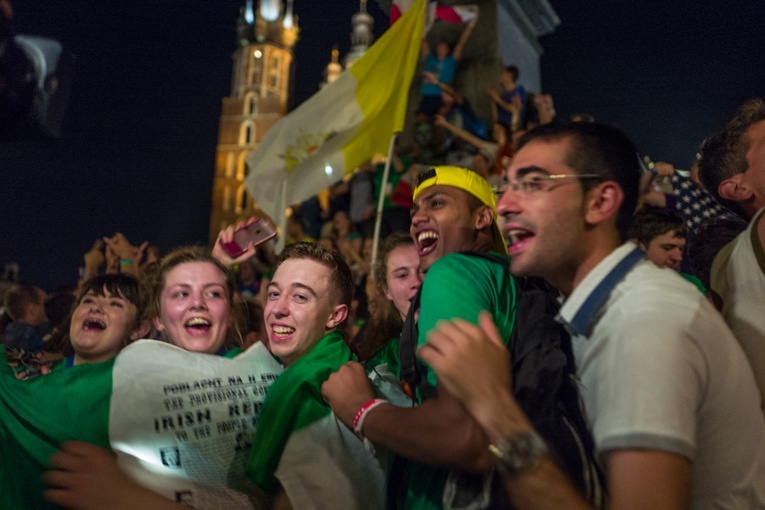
<point x="469" y="26"/>
<point x="459" y="132"/>
<point x="226" y="236"/>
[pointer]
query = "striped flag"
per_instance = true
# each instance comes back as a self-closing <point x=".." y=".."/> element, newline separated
<point x="452" y="14"/>
<point x="302" y="448"/>
<point x="341" y="126"/>
<point x="180" y="422"/>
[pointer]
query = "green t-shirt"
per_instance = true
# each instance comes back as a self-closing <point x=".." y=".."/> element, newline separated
<point x="461" y="286"/>
<point x="458" y="286"/>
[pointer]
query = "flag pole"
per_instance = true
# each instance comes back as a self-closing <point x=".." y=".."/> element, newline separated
<point x="282" y="240"/>
<point x="381" y="198"/>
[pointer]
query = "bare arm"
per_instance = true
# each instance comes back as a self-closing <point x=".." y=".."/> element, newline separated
<point x="226" y="236"/>
<point x="459" y="132"/>
<point x="130" y="256"/>
<point x="86" y="477"/>
<point x="431" y="78"/>
<point x="514" y="107"/>
<point x="93" y="259"/>
<point x="463" y="38"/>
<point x="438" y="432"/>
<point x="648" y="479"/>
<point x="637" y="478"/>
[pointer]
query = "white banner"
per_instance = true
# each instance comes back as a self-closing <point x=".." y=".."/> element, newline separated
<point x="182" y="422"/>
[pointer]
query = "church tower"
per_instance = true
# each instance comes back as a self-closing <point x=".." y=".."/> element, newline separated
<point x="260" y="87"/>
<point x="362" y="34"/>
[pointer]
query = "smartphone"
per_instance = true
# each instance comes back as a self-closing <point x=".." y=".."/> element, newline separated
<point x="258" y="232"/>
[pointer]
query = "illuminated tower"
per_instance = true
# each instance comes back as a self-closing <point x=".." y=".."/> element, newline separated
<point x="260" y="86"/>
<point x="333" y="69"/>
<point x="362" y="34"/>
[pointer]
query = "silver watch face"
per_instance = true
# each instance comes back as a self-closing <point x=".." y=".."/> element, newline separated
<point x="517" y="453"/>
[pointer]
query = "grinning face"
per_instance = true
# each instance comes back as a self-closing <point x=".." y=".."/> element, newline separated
<point x="403" y="277"/>
<point x="300" y="308"/>
<point x="544" y="228"/>
<point x="442" y="223"/>
<point x="195" y="312"/>
<point x="101" y="326"/>
<point x="665" y="250"/>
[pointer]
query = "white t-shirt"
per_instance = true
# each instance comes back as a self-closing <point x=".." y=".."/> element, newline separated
<point x="660" y="370"/>
<point x="738" y="278"/>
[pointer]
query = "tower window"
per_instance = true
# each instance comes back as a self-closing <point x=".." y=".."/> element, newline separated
<point x="241" y="166"/>
<point x="247" y="133"/>
<point x="230" y="161"/>
<point x="241" y="199"/>
<point x="274" y="71"/>
<point x="227" y="199"/>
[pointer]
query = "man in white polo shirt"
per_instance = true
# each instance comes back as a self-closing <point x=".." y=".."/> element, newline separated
<point x="667" y="389"/>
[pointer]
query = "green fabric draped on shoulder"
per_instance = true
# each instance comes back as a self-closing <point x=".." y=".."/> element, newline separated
<point x="37" y="415"/>
<point x="293" y="402"/>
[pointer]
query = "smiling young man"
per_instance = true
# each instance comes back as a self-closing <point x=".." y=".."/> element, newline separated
<point x="454" y="211"/>
<point x="298" y="448"/>
<point x="667" y="390"/>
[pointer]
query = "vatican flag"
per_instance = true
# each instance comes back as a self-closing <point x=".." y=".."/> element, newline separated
<point x="342" y="125"/>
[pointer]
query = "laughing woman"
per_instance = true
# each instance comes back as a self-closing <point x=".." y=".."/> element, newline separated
<point x="106" y="318"/>
<point x="163" y="407"/>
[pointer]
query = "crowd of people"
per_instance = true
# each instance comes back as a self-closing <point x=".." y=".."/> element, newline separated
<point x="549" y="323"/>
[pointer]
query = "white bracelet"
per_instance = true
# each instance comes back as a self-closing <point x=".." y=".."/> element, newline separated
<point x="359" y="427"/>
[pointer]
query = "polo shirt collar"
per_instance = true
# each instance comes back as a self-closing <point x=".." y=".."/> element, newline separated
<point x="581" y="307"/>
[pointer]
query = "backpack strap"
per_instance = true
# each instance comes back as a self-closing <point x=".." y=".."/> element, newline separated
<point x="409" y="366"/>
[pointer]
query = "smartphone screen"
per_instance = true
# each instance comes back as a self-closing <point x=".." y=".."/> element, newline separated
<point x="258" y="232"/>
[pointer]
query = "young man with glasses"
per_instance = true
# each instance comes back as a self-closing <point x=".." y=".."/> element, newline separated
<point x="666" y="388"/>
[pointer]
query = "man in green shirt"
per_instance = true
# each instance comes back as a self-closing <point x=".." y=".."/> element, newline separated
<point x="454" y="211"/>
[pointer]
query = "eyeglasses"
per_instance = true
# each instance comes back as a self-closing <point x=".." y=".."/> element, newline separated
<point x="532" y="183"/>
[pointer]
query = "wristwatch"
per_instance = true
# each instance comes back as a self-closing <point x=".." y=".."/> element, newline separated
<point x="518" y="453"/>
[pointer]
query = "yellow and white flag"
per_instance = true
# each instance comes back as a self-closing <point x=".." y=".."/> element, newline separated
<point x="342" y="125"/>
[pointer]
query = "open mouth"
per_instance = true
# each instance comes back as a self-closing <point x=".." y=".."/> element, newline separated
<point x="93" y="325"/>
<point x="198" y="324"/>
<point x="426" y="242"/>
<point x="282" y="331"/>
<point x="517" y="236"/>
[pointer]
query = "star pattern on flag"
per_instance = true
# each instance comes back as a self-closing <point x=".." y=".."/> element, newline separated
<point x="696" y="205"/>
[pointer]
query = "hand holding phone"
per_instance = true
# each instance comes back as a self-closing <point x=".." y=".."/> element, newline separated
<point x="257" y="233"/>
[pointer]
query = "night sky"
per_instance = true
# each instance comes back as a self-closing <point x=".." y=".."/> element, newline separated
<point x="138" y="144"/>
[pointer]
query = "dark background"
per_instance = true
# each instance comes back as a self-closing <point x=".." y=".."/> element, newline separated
<point x="138" y="144"/>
